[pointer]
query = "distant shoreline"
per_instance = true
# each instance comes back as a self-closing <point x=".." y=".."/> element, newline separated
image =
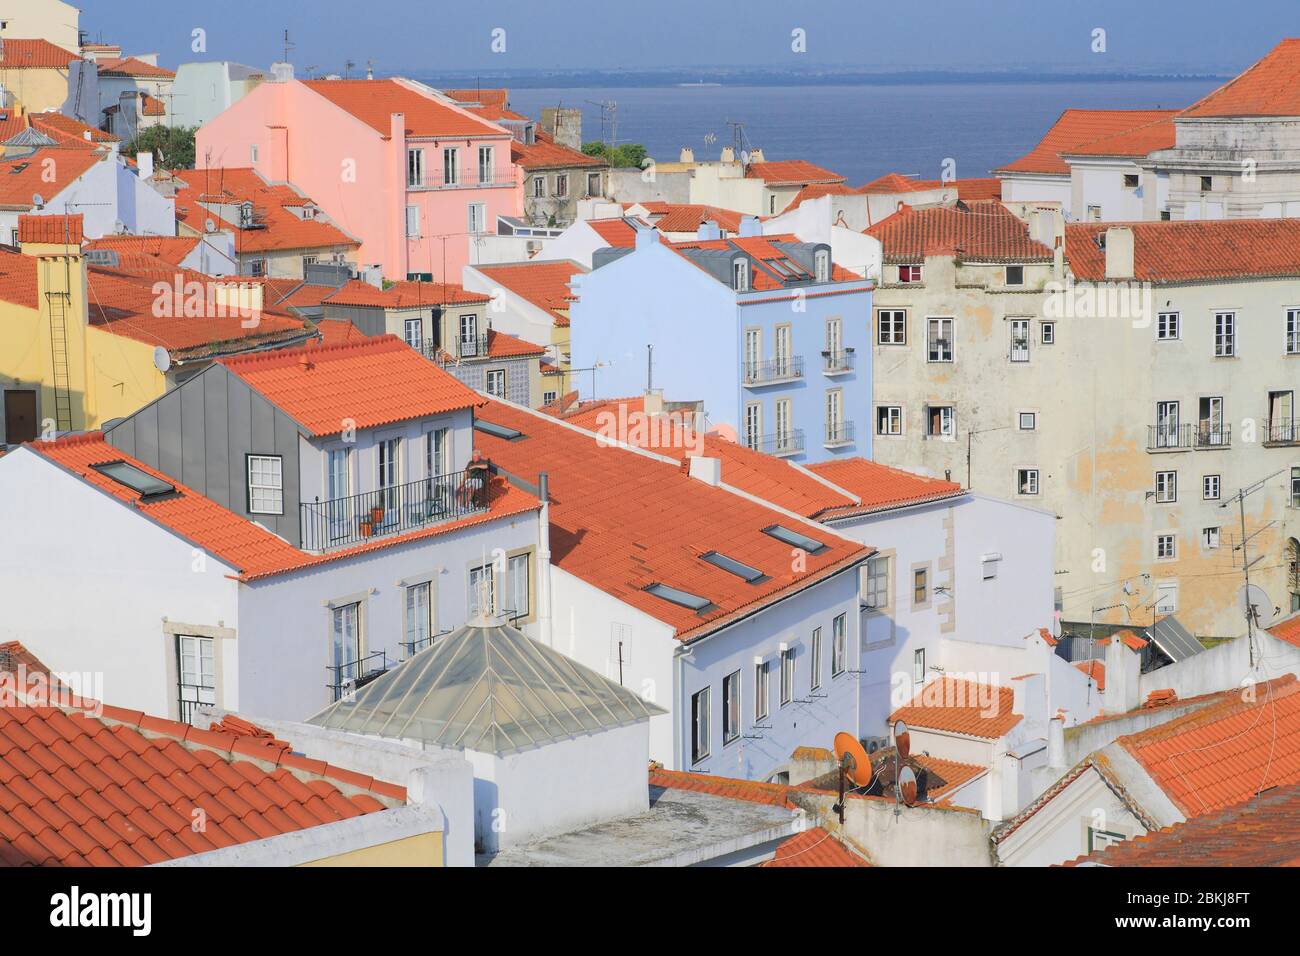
<point x="686" y="79"/>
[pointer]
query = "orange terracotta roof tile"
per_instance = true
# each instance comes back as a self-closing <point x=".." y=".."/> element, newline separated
<point x="404" y="295"/>
<point x="1132" y="143"/>
<point x="791" y="172"/>
<point x="814" y="847"/>
<point x="377" y="381"/>
<point x="498" y="96"/>
<point x="501" y="345"/>
<point x="944" y="777"/>
<point x="547" y="154"/>
<point x="817" y="190"/>
<point x="961" y="707"/>
<point x="620" y="233"/>
<point x="544" y="284"/>
<point x="152" y="106"/>
<point x="53" y="230"/>
<point x="58" y="124"/>
<point x="689" y="218"/>
<point x="1047" y="636"/>
<point x="1187" y="251"/>
<point x="28" y="176"/>
<point x="172" y="250"/>
<point x="1287" y="630"/>
<point x="750" y="791"/>
<point x="879" y="487"/>
<point x="1271" y="87"/>
<point x="35" y="55"/>
<point x="623" y="520"/>
<point x="1074" y="129"/>
<point x="892" y="183"/>
<point x="1228" y="751"/>
<point x="1095" y="670"/>
<point x="131" y="66"/>
<point x="985" y="232"/>
<point x="338" y="332"/>
<point x="100" y="791"/>
<point x="373" y="101"/>
<point x="1262" y="831"/>
<point x="18" y="279"/>
<point x="1131" y="640"/>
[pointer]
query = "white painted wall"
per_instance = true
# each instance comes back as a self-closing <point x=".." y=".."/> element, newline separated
<point x="1059" y="830"/>
<point x="577" y="243"/>
<point x="824" y="220"/>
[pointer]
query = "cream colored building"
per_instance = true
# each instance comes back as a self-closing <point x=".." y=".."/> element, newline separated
<point x="1106" y="404"/>
<point x="52" y="20"/>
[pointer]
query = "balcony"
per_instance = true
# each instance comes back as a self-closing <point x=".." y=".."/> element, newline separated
<point x="837" y="361"/>
<point x="352" y="676"/>
<point x="357" y="519"/>
<point x="775" y="372"/>
<point x="472" y="347"/>
<point x="781" y="444"/>
<point x="1209" y="435"/>
<point x="494" y="179"/>
<point x="1279" y="432"/>
<point x="839" y="434"/>
<point x="1169" y="437"/>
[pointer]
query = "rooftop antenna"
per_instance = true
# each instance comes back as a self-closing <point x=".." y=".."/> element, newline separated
<point x="347" y="68"/>
<point x="608" y="120"/>
<point x="1249" y="607"/>
<point x="649" y="369"/>
<point x="370" y="69"/>
<point x="288" y="45"/>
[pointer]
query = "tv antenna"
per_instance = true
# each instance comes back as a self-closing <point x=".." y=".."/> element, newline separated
<point x="347" y="68"/>
<point x="608" y="121"/>
<point x="1247" y="595"/>
<point x="288" y="45"/>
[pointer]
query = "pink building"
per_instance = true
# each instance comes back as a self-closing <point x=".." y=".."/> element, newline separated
<point x="411" y="175"/>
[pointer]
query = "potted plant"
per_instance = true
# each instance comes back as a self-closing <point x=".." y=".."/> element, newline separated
<point x="377" y="514"/>
<point x="367" y="527"/>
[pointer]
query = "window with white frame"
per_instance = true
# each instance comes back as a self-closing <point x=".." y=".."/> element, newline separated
<point x="469" y="344"/>
<point x="787" y="676"/>
<point x="753" y="424"/>
<point x="762" y="690"/>
<point x="1225" y="334"/>
<point x="437" y="452"/>
<point x="450" y="166"/>
<point x="740" y="275"/>
<point x="1166" y="598"/>
<point x="836" y="431"/>
<point x="909" y="273"/>
<point x="539" y="187"/>
<point x="252" y="154"/>
<point x="346" y="638"/>
<point x="1166" y="487"/>
<point x="822" y="265"/>
<point x="412" y="222"/>
<point x="891" y="326"/>
<point x="482" y="590"/>
<point x="753" y="352"/>
<point x="1166" y="546"/>
<point x="518" y="580"/>
<point x="419" y="615"/>
<point x="196" y="672"/>
<point x="1028" y="421"/>
<point x="1019" y="340"/>
<point x="1047" y="333"/>
<point x="784" y="435"/>
<point x="839" y="645"/>
<point x="549" y="396"/>
<point x="496" y="382"/>
<point x="1167" y="326"/>
<point x="889" y="419"/>
<point x="415" y="167"/>
<point x="700" y="725"/>
<point x="1209" y="538"/>
<point x="477" y="214"/>
<point x="815" y="659"/>
<point x="1210" y="487"/>
<point x="257" y="267"/>
<point x="875" y="589"/>
<point x="940" y="421"/>
<point x="561" y="185"/>
<point x="1292" y="332"/>
<point x="1027" y="481"/>
<point x="265" y="484"/>
<point x="939" y="340"/>
<point x="918" y="666"/>
<point x="413" y="333"/>
<point x="731" y="707"/>
<point x="486" y="161"/>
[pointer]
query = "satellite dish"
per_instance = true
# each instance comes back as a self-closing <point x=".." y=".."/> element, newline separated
<point x="902" y="740"/>
<point x="162" y="359"/>
<point x="907" y="788"/>
<point x="209" y="226"/>
<point x="1266" y="612"/>
<point x="38" y="200"/>
<point x="859" y="764"/>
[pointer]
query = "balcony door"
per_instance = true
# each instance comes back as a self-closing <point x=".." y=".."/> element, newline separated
<point x="196" y="673"/>
<point x="338" y="489"/>
<point x="346" y="650"/>
<point x="782" y="347"/>
<point x="1166" y="424"/>
<point x="1210" y="426"/>
<point x="1281" y="416"/>
<point x="469" y="336"/>
<point x="753" y="352"/>
<point x="389" y="473"/>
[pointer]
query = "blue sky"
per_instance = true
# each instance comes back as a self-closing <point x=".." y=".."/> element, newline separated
<point x="432" y="36"/>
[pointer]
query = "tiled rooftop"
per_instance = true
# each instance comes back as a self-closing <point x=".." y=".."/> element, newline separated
<point x="544" y="284"/>
<point x="373" y="102"/>
<point x="961" y="707"/>
<point x="1076" y="128"/>
<point x="404" y="295"/>
<point x="791" y="172"/>
<point x="1271" y="87"/>
<point x="985" y="232"/>
<point x="1189" y="251"/>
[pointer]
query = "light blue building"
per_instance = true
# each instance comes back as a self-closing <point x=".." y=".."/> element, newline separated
<point x="765" y="331"/>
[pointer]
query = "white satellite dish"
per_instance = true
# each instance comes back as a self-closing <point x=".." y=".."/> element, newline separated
<point x="209" y="226"/>
<point x="162" y="359"/>
<point x="38" y="200"/>
<point x="1266" y="612"/>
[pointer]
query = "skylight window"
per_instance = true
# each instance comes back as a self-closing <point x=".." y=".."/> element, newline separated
<point x="497" y="431"/>
<point x="143" y="483"/>
<point x="682" y="598"/>
<point x="739" y="569"/>
<point x="794" y="538"/>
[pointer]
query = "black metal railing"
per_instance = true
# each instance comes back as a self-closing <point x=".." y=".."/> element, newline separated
<point x="839" y="433"/>
<point x="398" y="508"/>
<point x="411" y="648"/>
<point x="1282" y="431"/>
<point x="188" y="697"/>
<point x="1210" y="435"/>
<point x="354" y="675"/>
<point x="782" y="443"/>
<point x="1162" y="437"/>
<point x="837" y="360"/>
<point x="776" y="370"/>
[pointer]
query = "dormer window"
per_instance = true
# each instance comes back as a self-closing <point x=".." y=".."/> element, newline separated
<point x="822" y="265"/>
<point x="740" y="275"/>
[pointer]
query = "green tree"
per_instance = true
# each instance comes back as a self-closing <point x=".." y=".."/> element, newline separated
<point x="627" y="154"/>
<point x="172" y="146"/>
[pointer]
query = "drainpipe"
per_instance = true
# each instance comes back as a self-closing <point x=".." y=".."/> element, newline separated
<point x="544" y="562"/>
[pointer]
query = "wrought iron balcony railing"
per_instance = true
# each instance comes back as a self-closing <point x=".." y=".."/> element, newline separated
<point x="353" y="675"/>
<point x="837" y="360"/>
<point x="1168" y="437"/>
<point x="417" y="504"/>
<point x="1282" y="431"/>
<point x="1209" y="435"/>
<point x="777" y="370"/>
<point x="782" y="443"/>
<point x="839" y="433"/>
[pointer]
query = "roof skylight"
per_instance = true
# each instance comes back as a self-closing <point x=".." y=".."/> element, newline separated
<point x="683" y="598"/>
<point x="739" y="569"/>
<point x="794" y="538"/>
<point x="497" y="431"/>
<point x="145" y="484"/>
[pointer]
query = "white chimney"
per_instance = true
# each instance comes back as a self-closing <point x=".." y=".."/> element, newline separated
<point x="687" y="155"/>
<point x="728" y="154"/>
<point x="646" y="236"/>
<point x="281" y="72"/>
<point x="144" y="162"/>
<point x="707" y="470"/>
<point x="750" y="226"/>
<point x="756" y="155"/>
<point x="1056" y="743"/>
<point x="1119" y="252"/>
<point x="1123" y="672"/>
<point x="708" y="230"/>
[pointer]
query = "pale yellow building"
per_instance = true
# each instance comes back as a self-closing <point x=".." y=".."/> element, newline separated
<point x="37" y="75"/>
<point x="51" y="20"/>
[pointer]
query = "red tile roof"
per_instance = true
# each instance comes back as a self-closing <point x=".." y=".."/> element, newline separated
<point x="1074" y="129"/>
<point x="488" y="97"/>
<point x="961" y="707"/>
<point x="1287" y="630"/>
<point x="501" y="345"/>
<point x="1131" y="640"/>
<point x="763" y="249"/>
<point x="1132" y="143"/>
<point x="201" y="194"/>
<point x="404" y="295"/>
<point x="152" y="106"/>
<point x="544" y="284"/>
<point x="620" y="233"/>
<point x="879" y="487"/>
<point x="791" y="172"/>
<point x="245" y="545"/>
<point x="545" y="153"/>
<point x="338" y="332"/>
<point x="985" y="232"/>
<point x="372" y="102"/>
<point x="814" y="847"/>
<point x="125" y="789"/>
<point x="52" y="230"/>
<point x="22" y="179"/>
<point x="131" y="66"/>
<point x="18" y="279"/>
<point x="35" y="55"/>
<point x="944" y="777"/>
<point x="1271" y="87"/>
<point x="171" y="250"/>
<point x="1096" y="670"/>
<point x="1263" y="831"/>
<point x="817" y="190"/>
<point x="892" y="183"/>
<point x="750" y="791"/>
<point x="622" y="520"/>
<point x="377" y="381"/>
<point x="1228" y="751"/>
<point x="1172" y="252"/>
<point x="689" y="218"/>
<point x="68" y="130"/>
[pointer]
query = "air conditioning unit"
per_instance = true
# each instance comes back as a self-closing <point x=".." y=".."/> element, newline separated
<point x="872" y="744"/>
